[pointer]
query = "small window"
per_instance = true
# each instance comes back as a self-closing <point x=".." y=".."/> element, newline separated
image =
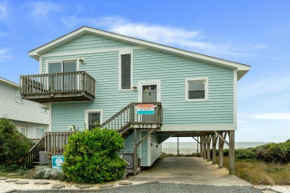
<point x="196" y="89"/>
<point x="22" y="130"/>
<point x="93" y="119"/>
<point x="40" y="132"/>
<point x="44" y="111"/>
<point x="126" y="71"/>
<point x="18" y="97"/>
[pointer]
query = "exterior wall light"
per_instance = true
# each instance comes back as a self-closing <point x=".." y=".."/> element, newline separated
<point x="135" y="87"/>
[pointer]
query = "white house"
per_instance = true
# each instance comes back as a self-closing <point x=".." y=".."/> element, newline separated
<point x="29" y="118"/>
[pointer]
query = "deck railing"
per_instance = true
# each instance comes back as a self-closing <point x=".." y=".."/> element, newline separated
<point x="67" y="84"/>
<point x="129" y="116"/>
<point x="55" y="142"/>
<point x="33" y="153"/>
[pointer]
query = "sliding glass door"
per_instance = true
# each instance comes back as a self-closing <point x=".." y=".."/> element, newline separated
<point x="62" y="79"/>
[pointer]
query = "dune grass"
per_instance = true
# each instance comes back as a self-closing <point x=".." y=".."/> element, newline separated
<point x="261" y="173"/>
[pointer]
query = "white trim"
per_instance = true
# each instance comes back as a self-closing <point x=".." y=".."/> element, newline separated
<point x="91" y="51"/>
<point x="235" y="97"/>
<point x="205" y="88"/>
<point x="197" y="127"/>
<point x="9" y="82"/>
<point x="149" y="82"/>
<point x="149" y="150"/>
<point x="85" y="30"/>
<point x="93" y="111"/>
<point x="123" y="52"/>
<point x="47" y="62"/>
<point x="40" y="64"/>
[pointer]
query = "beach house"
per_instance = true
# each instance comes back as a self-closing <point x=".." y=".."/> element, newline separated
<point x="146" y="91"/>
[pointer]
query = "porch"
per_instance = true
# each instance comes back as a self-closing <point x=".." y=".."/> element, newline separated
<point x="56" y="87"/>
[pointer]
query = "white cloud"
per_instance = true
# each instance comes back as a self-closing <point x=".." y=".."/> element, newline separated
<point x="273" y="116"/>
<point x="43" y="8"/>
<point x="265" y="86"/>
<point x="3" y="10"/>
<point x="3" y="54"/>
<point x="174" y="36"/>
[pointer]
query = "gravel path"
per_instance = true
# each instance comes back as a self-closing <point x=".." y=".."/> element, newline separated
<point x="167" y="188"/>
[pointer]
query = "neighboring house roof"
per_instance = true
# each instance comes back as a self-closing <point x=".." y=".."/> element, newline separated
<point x="8" y="82"/>
<point x="35" y="53"/>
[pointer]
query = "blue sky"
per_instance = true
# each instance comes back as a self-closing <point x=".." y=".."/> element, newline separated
<point x="251" y="32"/>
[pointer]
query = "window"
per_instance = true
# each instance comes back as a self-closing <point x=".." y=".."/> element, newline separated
<point x="22" y="130"/>
<point x="67" y="81"/>
<point x="196" y="89"/>
<point x="40" y="132"/>
<point x="126" y="71"/>
<point x="93" y="118"/>
<point x="44" y="111"/>
<point x="18" y="97"/>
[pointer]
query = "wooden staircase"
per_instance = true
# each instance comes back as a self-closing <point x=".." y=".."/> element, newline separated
<point x="32" y="156"/>
<point x="124" y="122"/>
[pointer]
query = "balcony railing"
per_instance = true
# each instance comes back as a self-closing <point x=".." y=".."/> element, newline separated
<point x="67" y="86"/>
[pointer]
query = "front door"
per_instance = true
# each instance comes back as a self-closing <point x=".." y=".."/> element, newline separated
<point x="149" y="95"/>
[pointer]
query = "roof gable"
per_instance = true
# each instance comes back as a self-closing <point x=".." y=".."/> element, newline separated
<point x="241" y="68"/>
<point x="87" y="42"/>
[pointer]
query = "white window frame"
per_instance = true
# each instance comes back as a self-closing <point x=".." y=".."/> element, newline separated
<point x="40" y="128"/>
<point x="47" y="62"/>
<point x="124" y="52"/>
<point x="62" y="61"/>
<point x="93" y="111"/>
<point x="187" y="80"/>
<point x="142" y="83"/>
<point x="18" y="128"/>
<point x="21" y="102"/>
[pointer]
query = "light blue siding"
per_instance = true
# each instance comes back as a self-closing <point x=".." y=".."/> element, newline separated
<point x="129" y="147"/>
<point x="171" y="70"/>
<point x="88" y="42"/>
<point x="148" y="64"/>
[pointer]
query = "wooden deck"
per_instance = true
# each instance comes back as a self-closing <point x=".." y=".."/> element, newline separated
<point x="68" y="86"/>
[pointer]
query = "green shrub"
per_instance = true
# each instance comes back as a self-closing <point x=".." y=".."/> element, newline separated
<point x="274" y="152"/>
<point x="44" y="172"/>
<point x="91" y="156"/>
<point x="13" y="145"/>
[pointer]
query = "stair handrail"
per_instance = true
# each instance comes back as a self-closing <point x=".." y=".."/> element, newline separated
<point x="30" y="152"/>
<point x="131" y="119"/>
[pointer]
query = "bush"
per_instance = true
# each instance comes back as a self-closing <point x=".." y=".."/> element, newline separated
<point x="13" y="145"/>
<point x="91" y="156"/>
<point x="274" y="152"/>
<point x="44" y="172"/>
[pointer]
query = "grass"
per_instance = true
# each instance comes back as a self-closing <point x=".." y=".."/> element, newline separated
<point x="261" y="173"/>
<point x="19" y="173"/>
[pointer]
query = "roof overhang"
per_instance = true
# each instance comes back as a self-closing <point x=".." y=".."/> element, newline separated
<point x="8" y="82"/>
<point x="242" y="69"/>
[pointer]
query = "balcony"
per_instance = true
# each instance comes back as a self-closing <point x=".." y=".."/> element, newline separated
<point x="58" y="87"/>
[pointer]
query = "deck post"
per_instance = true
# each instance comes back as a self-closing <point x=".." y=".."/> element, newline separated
<point x="201" y="146"/>
<point x="177" y="146"/>
<point x="208" y="147"/>
<point x="197" y="146"/>
<point x="232" y="152"/>
<point x="204" y="147"/>
<point x="135" y="153"/>
<point x="221" y="152"/>
<point x="214" y="149"/>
